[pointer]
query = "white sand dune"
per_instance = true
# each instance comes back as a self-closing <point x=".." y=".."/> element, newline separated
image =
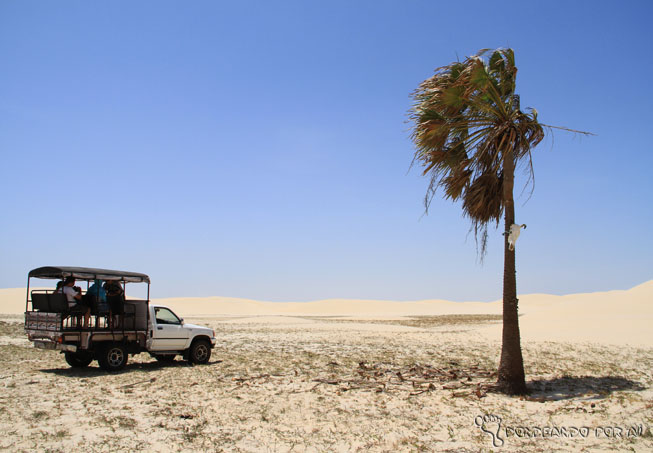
<point x="613" y="317"/>
<point x="12" y="301"/>
<point x="212" y="306"/>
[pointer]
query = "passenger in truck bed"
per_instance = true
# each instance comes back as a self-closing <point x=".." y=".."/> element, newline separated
<point x="96" y="290"/>
<point x="74" y="298"/>
<point x="59" y="287"/>
<point x="113" y="288"/>
<point x="115" y="299"/>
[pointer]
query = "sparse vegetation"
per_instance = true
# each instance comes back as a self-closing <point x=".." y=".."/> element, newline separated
<point x="12" y="329"/>
<point x="39" y="415"/>
<point x="349" y="385"/>
<point x="423" y="322"/>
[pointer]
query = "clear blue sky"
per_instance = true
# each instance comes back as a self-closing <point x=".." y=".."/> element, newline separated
<point x="261" y="149"/>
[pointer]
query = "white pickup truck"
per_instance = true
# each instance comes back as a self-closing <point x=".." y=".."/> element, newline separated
<point x="106" y="325"/>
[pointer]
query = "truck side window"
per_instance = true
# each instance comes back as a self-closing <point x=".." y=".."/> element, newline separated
<point x="165" y="316"/>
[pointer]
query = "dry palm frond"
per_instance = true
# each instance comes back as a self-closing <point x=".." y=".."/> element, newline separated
<point x="483" y="198"/>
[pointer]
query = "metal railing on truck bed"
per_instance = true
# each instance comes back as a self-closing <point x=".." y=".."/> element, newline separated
<point x="50" y="312"/>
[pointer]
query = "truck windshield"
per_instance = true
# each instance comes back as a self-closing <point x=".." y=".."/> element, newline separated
<point x="165" y="316"/>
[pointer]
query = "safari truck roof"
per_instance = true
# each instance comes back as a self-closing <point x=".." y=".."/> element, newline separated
<point x="87" y="273"/>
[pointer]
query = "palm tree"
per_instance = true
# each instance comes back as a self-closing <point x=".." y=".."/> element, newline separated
<point x="470" y="135"/>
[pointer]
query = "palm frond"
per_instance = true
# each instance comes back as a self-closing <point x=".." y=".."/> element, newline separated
<point x="467" y="120"/>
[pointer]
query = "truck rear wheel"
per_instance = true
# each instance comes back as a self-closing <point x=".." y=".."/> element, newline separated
<point x="200" y="352"/>
<point x="78" y="359"/>
<point x="112" y="357"/>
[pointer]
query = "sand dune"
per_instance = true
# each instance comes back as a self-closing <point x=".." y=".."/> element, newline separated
<point x="212" y="306"/>
<point x="613" y="317"/>
<point x="12" y="301"/>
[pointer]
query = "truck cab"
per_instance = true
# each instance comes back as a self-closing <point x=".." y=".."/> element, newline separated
<point x="169" y="335"/>
<point x="108" y="327"/>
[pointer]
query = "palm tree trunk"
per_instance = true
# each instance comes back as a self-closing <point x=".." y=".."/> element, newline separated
<point x="511" y="367"/>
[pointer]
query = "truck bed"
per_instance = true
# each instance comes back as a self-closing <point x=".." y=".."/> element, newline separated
<point x="48" y="329"/>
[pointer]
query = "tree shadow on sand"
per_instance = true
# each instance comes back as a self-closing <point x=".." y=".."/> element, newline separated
<point x="94" y="371"/>
<point x="589" y="387"/>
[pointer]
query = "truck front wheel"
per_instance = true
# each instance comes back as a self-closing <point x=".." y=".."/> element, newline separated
<point x="78" y="359"/>
<point x="200" y="352"/>
<point x="112" y="357"/>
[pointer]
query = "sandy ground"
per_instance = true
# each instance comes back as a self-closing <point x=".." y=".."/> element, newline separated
<point x="349" y="376"/>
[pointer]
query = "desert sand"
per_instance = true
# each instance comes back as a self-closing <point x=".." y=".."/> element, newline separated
<point x="349" y="375"/>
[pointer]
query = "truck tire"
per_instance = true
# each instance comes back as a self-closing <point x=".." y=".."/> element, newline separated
<point x="200" y="352"/>
<point x="112" y="357"/>
<point x="78" y="359"/>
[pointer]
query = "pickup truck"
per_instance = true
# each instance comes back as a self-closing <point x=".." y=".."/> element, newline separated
<point x="106" y="326"/>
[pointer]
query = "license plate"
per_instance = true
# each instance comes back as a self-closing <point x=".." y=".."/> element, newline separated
<point x="45" y="345"/>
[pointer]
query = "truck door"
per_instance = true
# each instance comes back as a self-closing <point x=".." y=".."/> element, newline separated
<point x="168" y="334"/>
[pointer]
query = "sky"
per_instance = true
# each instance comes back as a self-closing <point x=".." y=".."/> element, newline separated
<point x="262" y="149"/>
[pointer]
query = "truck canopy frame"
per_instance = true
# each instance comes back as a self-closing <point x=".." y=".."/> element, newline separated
<point x="87" y="273"/>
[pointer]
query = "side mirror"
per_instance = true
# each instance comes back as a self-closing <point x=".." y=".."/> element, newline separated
<point x="182" y="321"/>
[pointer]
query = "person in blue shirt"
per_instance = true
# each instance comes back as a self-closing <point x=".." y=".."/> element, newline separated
<point x="96" y="290"/>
